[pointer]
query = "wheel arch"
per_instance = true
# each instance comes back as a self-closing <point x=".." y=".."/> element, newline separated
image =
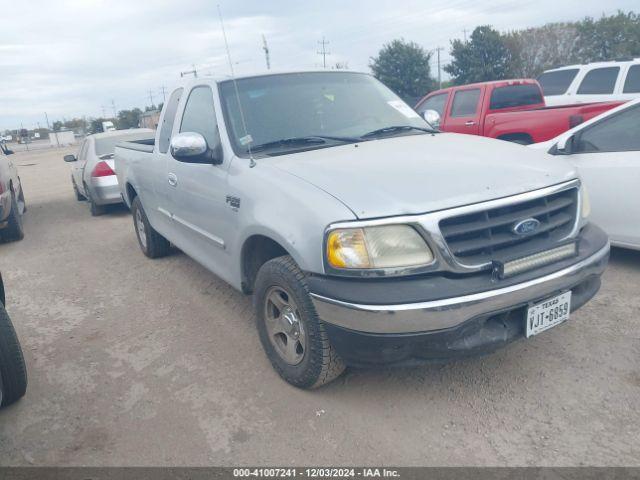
<point x="257" y="249"/>
<point x="131" y="193"/>
<point x="522" y="138"/>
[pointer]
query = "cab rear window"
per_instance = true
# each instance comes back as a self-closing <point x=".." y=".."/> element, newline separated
<point x="515" y="96"/>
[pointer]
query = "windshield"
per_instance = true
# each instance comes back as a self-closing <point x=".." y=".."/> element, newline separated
<point x="319" y="104"/>
<point x="107" y="145"/>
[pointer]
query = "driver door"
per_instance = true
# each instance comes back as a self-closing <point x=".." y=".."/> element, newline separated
<point x="196" y="192"/>
<point x="607" y="155"/>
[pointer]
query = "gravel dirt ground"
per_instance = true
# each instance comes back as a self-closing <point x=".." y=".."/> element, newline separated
<point x="140" y="362"/>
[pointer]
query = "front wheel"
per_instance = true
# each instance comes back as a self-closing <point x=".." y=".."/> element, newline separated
<point x="79" y="196"/>
<point x="13" y="372"/>
<point x="14" y="229"/>
<point x="291" y="333"/>
<point x="152" y="244"/>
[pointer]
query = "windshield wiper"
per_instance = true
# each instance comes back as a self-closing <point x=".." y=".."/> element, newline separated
<point x="311" y="140"/>
<point x="396" y="129"/>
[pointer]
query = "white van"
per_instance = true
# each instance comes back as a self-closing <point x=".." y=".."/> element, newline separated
<point x="593" y="82"/>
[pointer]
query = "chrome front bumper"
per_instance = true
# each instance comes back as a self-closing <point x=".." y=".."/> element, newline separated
<point x="450" y="312"/>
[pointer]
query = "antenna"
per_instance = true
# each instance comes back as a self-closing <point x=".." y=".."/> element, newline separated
<point x="252" y="162"/>
<point x="265" y="47"/>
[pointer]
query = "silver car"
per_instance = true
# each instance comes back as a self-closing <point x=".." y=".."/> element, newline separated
<point x="12" y="204"/>
<point x="93" y="171"/>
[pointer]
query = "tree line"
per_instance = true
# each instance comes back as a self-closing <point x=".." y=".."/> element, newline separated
<point x="124" y="120"/>
<point x="492" y="55"/>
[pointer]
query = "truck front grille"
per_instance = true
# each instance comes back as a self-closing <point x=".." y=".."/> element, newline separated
<point x="487" y="235"/>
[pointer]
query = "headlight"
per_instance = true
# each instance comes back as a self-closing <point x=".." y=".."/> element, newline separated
<point x="586" y="204"/>
<point x="389" y="246"/>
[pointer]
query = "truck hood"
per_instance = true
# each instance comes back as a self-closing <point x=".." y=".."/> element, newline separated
<point x="424" y="173"/>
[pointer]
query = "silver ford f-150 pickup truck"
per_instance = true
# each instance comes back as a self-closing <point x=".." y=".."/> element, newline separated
<point x="365" y="236"/>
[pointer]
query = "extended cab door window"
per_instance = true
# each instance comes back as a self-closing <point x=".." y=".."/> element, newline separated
<point x="618" y="133"/>
<point x="599" y="81"/>
<point x="464" y="115"/>
<point x="167" y="121"/>
<point x="200" y="116"/>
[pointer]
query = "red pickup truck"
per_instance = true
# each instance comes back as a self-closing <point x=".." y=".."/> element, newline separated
<point x="512" y="110"/>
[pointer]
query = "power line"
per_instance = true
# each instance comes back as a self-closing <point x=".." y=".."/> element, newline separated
<point x="324" y="52"/>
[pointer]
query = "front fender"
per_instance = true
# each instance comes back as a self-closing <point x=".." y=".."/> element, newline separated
<point x="287" y="209"/>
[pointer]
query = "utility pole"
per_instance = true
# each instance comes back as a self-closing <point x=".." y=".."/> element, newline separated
<point x="439" y="69"/>
<point x="49" y="129"/>
<point x="464" y="31"/>
<point x="151" y="97"/>
<point x="26" y="139"/>
<point x="163" y="89"/>
<point x="104" y="112"/>
<point x="265" y="47"/>
<point x="193" y="72"/>
<point x="324" y="52"/>
<point x="113" y="106"/>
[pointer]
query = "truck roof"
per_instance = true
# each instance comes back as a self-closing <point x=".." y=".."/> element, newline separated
<point x="263" y="73"/>
<point x="494" y="83"/>
<point x="607" y="63"/>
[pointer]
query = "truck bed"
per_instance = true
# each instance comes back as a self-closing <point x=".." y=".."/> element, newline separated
<point x="127" y="154"/>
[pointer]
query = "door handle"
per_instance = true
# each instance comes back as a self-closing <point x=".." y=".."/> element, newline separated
<point x="172" y="179"/>
<point x="470" y="123"/>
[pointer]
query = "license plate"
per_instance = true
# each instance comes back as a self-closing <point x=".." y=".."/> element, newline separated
<point x="548" y="313"/>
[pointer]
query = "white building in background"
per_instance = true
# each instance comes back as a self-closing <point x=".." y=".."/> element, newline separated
<point x="62" y="138"/>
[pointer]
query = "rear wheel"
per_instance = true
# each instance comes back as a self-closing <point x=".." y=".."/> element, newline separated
<point x="13" y="372"/>
<point x="152" y="244"/>
<point x="291" y="333"/>
<point x="14" y="229"/>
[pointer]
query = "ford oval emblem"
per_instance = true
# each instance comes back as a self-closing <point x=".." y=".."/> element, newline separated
<point x="526" y="226"/>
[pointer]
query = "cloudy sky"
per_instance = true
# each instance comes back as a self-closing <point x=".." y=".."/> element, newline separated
<point x="78" y="57"/>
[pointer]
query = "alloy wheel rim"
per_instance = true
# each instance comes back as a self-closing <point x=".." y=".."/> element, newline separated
<point x="284" y="327"/>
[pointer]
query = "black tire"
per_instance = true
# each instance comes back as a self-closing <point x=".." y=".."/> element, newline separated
<point x="154" y="245"/>
<point x="95" y="209"/>
<point x="320" y="363"/>
<point x="14" y="229"/>
<point x="79" y="196"/>
<point x="13" y="372"/>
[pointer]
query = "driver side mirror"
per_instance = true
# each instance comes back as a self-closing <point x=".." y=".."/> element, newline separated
<point x="566" y="145"/>
<point x="432" y="118"/>
<point x="70" y="158"/>
<point x="191" y="147"/>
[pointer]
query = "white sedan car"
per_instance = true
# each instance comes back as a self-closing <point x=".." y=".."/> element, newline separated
<point x="92" y="172"/>
<point x="606" y="152"/>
